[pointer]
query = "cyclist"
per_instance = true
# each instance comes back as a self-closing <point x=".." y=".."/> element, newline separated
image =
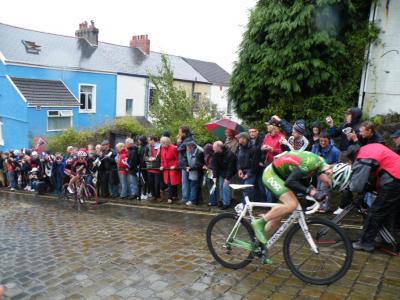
<point x="376" y="164"/>
<point x="79" y="167"/>
<point x="288" y="174"/>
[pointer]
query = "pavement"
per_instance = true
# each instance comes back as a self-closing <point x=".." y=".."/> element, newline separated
<point x="118" y="251"/>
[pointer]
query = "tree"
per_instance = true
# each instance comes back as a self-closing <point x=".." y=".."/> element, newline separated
<point x="301" y="59"/>
<point x="171" y="108"/>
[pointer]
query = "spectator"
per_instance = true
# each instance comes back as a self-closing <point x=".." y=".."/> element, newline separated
<point x="143" y="180"/>
<point x="315" y="132"/>
<point x="11" y="171"/>
<point x="367" y="135"/>
<point x="169" y="167"/>
<point x="212" y="191"/>
<point x="247" y="162"/>
<point x="2" y="178"/>
<point x="152" y="158"/>
<point x="230" y="140"/>
<point x="366" y="160"/>
<point x="123" y="169"/>
<point x="224" y="169"/>
<point x="271" y="144"/>
<point x="111" y="169"/>
<point x="133" y="162"/>
<point x="396" y="139"/>
<point x="195" y="163"/>
<point x="352" y="120"/>
<point x="183" y="138"/>
<point x="331" y="154"/>
<point x="256" y="141"/>
<point x="297" y="140"/>
<point x="70" y="150"/>
<point x="57" y="173"/>
<point x="98" y="150"/>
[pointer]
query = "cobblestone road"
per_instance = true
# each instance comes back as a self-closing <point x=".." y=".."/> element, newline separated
<point x="48" y="251"/>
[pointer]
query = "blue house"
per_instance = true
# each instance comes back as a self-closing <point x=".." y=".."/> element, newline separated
<point x="51" y="82"/>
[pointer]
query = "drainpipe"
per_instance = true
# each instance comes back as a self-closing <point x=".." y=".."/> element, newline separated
<point x="364" y="76"/>
<point x="147" y="98"/>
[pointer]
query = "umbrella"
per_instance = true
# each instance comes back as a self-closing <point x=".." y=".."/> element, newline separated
<point x="218" y="127"/>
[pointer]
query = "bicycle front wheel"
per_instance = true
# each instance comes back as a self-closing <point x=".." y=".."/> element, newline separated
<point x="237" y="252"/>
<point x="334" y="255"/>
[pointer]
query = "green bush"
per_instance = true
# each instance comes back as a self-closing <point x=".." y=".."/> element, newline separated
<point x="71" y="137"/>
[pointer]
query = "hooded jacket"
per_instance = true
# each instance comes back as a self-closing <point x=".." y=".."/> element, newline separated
<point x="356" y="115"/>
<point x="182" y="150"/>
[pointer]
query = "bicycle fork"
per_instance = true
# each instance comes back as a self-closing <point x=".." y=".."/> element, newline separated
<point x="307" y="235"/>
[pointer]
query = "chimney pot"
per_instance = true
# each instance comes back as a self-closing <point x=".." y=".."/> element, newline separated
<point x="141" y="42"/>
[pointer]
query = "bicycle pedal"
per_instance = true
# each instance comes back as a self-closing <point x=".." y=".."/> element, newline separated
<point x="266" y="261"/>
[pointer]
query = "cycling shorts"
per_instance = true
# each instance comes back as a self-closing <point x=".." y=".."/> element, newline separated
<point x="273" y="182"/>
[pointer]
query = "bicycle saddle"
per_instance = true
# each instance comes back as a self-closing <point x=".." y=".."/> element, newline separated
<point x="240" y="186"/>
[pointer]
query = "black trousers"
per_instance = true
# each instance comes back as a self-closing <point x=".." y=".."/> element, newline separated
<point x="385" y="207"/>
<point x="102" y="184"/>
<point x="154" y="183"/>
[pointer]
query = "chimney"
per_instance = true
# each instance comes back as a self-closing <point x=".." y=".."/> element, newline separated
<point x="89" y="32"/>
<point x="141" y="42"/>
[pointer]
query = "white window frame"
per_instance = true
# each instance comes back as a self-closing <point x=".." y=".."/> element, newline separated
<point x="1" y="134"/>
<point x="94" y="96"/>
<point x="126" y="101"/>
<point x="61" y="113"/>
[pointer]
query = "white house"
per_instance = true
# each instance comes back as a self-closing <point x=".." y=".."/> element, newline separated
<point x="380" y="83"/>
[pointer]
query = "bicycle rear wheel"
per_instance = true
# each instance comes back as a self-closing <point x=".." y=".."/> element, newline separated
<point x="236" y="253"/>
<point x="88" y="197"/>
<point x="334" y="255"/>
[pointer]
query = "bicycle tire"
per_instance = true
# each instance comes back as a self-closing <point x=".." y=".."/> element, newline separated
<point x="343" y="240"/>
<point x="246" y="225"/>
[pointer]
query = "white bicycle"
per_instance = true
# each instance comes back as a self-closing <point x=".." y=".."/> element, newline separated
<point x="311" y="256"/>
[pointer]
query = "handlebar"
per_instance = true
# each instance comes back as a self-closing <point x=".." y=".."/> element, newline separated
<point x="313" y="208"/>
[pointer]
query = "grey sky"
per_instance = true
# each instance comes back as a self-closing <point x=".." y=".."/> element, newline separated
<point x="209" y="30"/>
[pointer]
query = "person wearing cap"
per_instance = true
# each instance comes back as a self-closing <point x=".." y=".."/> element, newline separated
<point x="297" y="140"/>
<point x="108" y="171"/>
<point x="247" y="161"/>
<point x="375" y="168"/>
<point x="194" y="166"/>
<point x="271" y="144"/>
<point x="396" y="139"/>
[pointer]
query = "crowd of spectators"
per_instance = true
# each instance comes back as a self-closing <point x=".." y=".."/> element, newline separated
<point x="146" y="167"/>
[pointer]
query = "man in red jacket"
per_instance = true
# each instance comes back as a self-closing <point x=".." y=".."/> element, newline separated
<point x="375" y="167"/>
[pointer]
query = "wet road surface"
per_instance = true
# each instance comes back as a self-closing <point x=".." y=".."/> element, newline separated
<point x="50" y="251"/>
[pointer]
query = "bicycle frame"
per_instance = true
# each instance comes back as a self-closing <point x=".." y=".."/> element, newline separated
<point x="298" y="214"/>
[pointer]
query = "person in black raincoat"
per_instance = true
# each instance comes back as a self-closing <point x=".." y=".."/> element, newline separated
<point x="352" y="124"/>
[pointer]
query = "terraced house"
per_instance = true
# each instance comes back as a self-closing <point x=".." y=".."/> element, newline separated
<point x="51" y="82"/>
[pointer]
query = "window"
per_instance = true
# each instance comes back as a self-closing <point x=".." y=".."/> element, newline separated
<point x="152" y="96"/>
<point x="229" y="108"/>
<point x="196" y="96"/>
<point x="87" y="98"/>
<point x="1" y="133"/>
<point x="58" y="120"/>
<point x="129" y="107"/>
